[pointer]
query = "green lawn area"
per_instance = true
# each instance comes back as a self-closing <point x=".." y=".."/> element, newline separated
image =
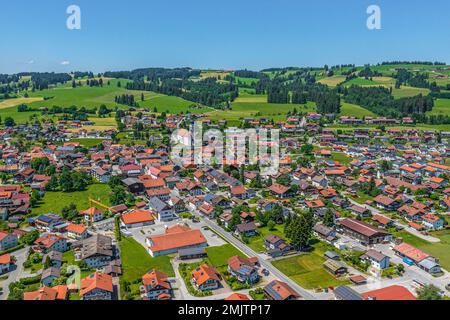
<point x="90" y="97"/>
<point x="257" y="242"/>
<point x="218" y="256"/>
<point x="88" y="143"/>
<point x="441" y="106"/>
<point x="341" y="157"/>
<point x="53" y="202"/>
<point x="363" y="82"/>
<point x="406" y="91"/>
<point x="307" y="269"/>
<point x="256" y="106"/>
<point x="348" y="109"/>
<point x="136" y="261"/>
<point x="438" y="250"/>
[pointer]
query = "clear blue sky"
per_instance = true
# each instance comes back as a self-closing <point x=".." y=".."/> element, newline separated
<point x="229" y="34"/>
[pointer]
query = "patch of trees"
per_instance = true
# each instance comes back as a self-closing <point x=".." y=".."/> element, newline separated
<point x="69" y="181"/>
<point x="24" y="108"/>
<point x="42" y="81"/>
<point x="43" y="166"/>
<point x="80" y="75"/>
<point x="278" y="94"/>
<point x="154" y="74"/>
<point x="250" y="74"/>
<point x="368" y="73"/>
<point x="94" y="82"/>
<point x="126" y="99"/>
<point x="298" y="229"/>
<point x="429" y="63"/>
<point x="207" y="91"/>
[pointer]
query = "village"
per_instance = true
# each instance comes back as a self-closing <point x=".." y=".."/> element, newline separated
<point x="352" y="214"/>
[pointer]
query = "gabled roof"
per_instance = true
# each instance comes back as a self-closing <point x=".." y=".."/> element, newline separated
<point x="94" y="281"/>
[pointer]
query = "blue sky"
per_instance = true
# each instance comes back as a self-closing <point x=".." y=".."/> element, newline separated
<point x="231" y="34"/>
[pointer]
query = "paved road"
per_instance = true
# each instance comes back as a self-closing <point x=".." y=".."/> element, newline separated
<point x="21" y="257"/>
<point x="251" y="253"/>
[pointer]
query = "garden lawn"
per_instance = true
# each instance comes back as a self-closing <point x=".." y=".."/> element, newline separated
<point x="136" y="261"/>
<point x="307" y="269"/>
<point x="218" y="256"/>
<point x="54" y="202"/>
<point x="257" y="242"/>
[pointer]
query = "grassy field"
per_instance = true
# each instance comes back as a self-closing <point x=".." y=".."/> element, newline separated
<point x="406" y="91"/>
<point x="54" y="201"/>
<point x="218" y="256"/>
<point x="18" y="101"/>
<point x="307" y="269"/>
<point x="90" y="97"/>
<point x="348" y="109"/>
<point x="256" y="106"/>
<point x="341" y="157"/>
<point x="257" y="242"/>
<point x="136" y="261"/>
<point x="332" y="81"/>
<point x="438" y="250"/>
<point x="88" y="143"/>
<point x="441" y="107"/>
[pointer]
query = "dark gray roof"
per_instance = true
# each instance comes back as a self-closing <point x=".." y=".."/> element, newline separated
<point x="346" y="293"/>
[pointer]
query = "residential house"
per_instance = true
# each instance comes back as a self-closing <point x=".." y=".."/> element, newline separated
<point x="77" y="231"/>
<point x="205" y="277"/>
<point x="278" y="290"/>
<point x="244" y="269"/>
<point x="7" y="241"/>
<point x="96" y="251"/>
<point x="50" y="274"/>
<point x="92" y="215"/>
<point x="6" y="263"/>
<point x="97" y="286"/>
<point x="377" y="259"/>
<point x="156" y="286"/>
<point x="51" y="242"/>
<point x="163" y="210"/>
<point x="246" y="229"/>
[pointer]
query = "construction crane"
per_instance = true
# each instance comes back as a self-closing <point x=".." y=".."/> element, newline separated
<point x="95" y="202"/>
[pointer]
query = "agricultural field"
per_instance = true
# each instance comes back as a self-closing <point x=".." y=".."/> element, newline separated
<point x="348" y="109"/>
<point x="54" y="202"/>
<point x="8" y="103"/>
<point x="307" y="270"/>
<point x="88" y="143"/>
<point x="332" y="81"/>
